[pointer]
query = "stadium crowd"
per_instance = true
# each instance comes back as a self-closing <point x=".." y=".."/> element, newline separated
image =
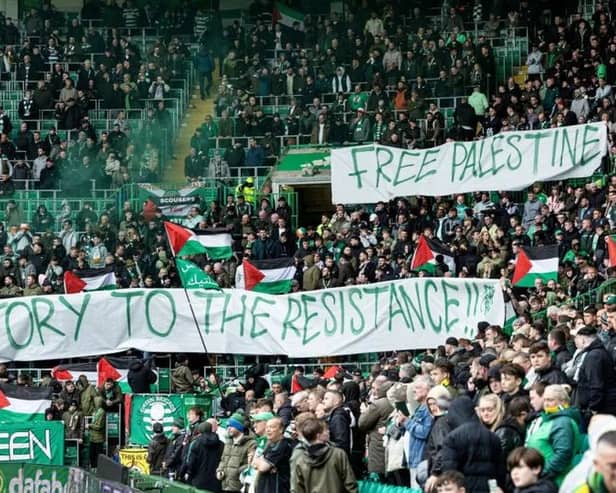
<point x="527" y="409"/>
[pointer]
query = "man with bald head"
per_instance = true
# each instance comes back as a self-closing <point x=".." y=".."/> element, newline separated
<point x="338" y="419"/>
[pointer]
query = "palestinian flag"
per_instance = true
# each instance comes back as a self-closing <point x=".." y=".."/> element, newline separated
<point x="535" y="263"/>
<point x="19" y="403"/>
<point x="193" y="277"/>
<point x="114" y="367"/>
<point x="611" y="250"/>
<point x="271" y="276"/>
<point x="89" y="280"/>
<point x="216" y="243"/>
<point x="426" y="252"/>
<point x="286" y="16"/>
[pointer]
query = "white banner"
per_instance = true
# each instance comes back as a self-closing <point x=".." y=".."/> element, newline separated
<point x="396" y="315"/>
<point x="506" y="161"/>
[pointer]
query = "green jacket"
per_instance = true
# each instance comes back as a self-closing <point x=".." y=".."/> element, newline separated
<point x="87" y="396"/>
<point x="324" y="468"/>
<point x="234" y="461"/>
<point x="99" y="423"/>
<point x="593" y="485"/>
<point x="182" y="380"/>
<point x="557" y="436"/>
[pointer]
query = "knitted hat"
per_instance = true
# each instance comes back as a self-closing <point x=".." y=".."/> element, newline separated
<point x="157" y="428"/>
<point x="266" y="416"/>
<point x="439" y="392"/>
<point x="179" y="423"/>
<point x="238" y="422"/>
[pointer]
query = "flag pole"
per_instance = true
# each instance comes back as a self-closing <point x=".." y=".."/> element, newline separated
<point x="192" y="312"/>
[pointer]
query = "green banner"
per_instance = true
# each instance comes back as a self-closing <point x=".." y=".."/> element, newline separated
<point x="36" y="442"/>
<point x="21" y="478"/>
<point x="147" y="409"/>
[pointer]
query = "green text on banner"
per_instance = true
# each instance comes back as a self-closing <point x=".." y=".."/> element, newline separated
<point x="404" y="314"/>
<point x="506" y="161"/>
<point x="34" y="442"/>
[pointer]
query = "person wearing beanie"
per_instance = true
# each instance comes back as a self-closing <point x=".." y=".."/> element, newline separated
<point x="156" y="449"/>
<point x="173" y="455"/>
<point x="438" y="402"/>
<point x="203" y="459"/>
<point x="239" y="449"/>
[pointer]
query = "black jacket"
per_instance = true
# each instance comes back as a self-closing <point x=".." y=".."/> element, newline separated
<point x="561" y="356"/>
<point x="339" y="421"/>
<point x="471" y="449"/>
<point x="173" y="454"/>
<point x="542" y="486"/>
<point x="510" y="434"/>
<point x="551" y="376"/>
<point x="285" y="412"/>
<point x="140" y="376"/>
<point x="156" y="452"/>
<point x="596" y="389"/>
<point x="203" y="460"/>
<point x="439" y="431"/>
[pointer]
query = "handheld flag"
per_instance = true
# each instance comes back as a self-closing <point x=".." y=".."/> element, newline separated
<point x="193" y="277"/>
<point x="287" y="16"/>
<point x="424" y="257"/>
<point x="535" y="263"/>
<point x="23" y="403"/>
<point x="89" y="280"/>
<point x="273" y="276"/>
<point x="106" y="370"/>
<point x="216" y="243"/>
<point x="611" y="250"/>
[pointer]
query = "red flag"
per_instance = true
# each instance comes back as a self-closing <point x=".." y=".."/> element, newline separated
<point x="331" y="372"/>
<point x="149" y="210"/>
<point x="611" y="250"/>
<point x="522" y="267"/>
<point x="106" y="370"/>
<point x="73" y="283"/>
<point x="4" y="402"/>
<point x="61" y="374"/>
<point x="177" y="235"/>
<point x="423" y="254"/>
<point x="128" y="402"/>
<point x="252" y="275"/>
<point x="295" y="385"/>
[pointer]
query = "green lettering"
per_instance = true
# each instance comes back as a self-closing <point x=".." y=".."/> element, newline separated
<point x="334" y="326"/>
<point x="308" y="316"/>
<point x="393" y="313"/>
<point x="430" y="284"/>
<point x="448" y="288"/>
<point x="590" y="128"/>
<point x="290" y="318"/>
<point x="357" y="172"/>
<point x="128" y="294"/>
<point x="230" y="318"/>
<point x="455" y="161"/>
<point x="80" y="313"/>
<point x="410" y="307"/>
<point x="495" y="152"/>
<point x="536" y="137"/>
<point x="402" y="166"/>
<point x="7" y="322"/>
<point x="255" y="315"/>
<point x="376" y="290"/>
<point x="209" y="295"/>
<point x="571" y="148"/>
<point x="517" y="138"/>
<point x="427" y="162"/>
<point x="43" y="322"/>
<point x="380" y="165"/>
<point x="148" y="299"/>
<point x="356" y="330"/>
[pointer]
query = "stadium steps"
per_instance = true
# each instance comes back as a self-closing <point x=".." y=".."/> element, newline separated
<point x="195" y="115"/>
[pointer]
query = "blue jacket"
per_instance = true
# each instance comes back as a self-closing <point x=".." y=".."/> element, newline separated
<point x="418" y="426"/>
<point x="203" y="63"/>
<point x="255" y="156"/>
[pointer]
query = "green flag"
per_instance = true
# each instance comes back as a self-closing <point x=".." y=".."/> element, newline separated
<point x="192" y="277"/>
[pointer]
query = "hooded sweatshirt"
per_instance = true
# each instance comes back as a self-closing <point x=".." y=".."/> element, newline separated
<point x="322" y="468"/>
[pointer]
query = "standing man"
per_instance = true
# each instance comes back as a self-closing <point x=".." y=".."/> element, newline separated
<point x="338" y="420"/>
<point x="237" y="454"/>
<point x="273" y="467"/>
<point x="322" y="467"/>
<point x="205" y="65"/>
